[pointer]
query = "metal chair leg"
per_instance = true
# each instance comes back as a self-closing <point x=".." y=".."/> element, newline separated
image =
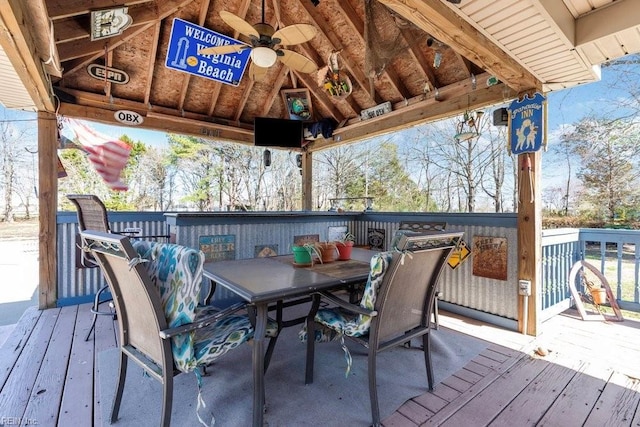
<point x="96" y="312"/>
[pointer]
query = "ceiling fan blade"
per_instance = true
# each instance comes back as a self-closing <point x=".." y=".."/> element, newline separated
<point x="239" y="24"/>
<point x="256" y="73"/>
<point x="222" y="50"/>
<point x="296" y="61"/>
<point x="295" y="34"/>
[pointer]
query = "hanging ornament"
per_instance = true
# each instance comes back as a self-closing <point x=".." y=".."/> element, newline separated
<point x="334" y="82"/>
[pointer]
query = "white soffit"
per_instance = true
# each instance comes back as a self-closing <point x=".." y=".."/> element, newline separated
<point x="562" y="43"/>
<point x="13" y="95"/>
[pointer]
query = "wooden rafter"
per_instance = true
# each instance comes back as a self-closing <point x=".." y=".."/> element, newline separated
<point x="151" y="66"/>
<point x="59" y="9"/>
<point x="320" y="95"/>
<point x="243" y="8"/>
<point x="358" y="75"/>
<point x="358" y="25"/>
<point x="275" y="91"/>
<point x="165" y="9"/>
<point x="204" y="7"/>
<point x="437" y="19"/>
<point x="70" y="29"/>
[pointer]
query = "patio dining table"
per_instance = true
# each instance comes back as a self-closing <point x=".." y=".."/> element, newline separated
<point x="265" y="281"/>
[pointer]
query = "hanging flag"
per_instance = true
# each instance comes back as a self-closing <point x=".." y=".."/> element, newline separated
<point x="107" y="155"/>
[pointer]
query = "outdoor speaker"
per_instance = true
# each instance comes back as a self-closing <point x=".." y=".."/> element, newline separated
<point x="500" y="117"/>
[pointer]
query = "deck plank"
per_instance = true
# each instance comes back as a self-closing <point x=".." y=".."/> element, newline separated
<point x="15" y="343"/>
<point x="104" y="339"/>
<point x="531" y="403"/>
<point x="18" y="387"/>
<point x="76" y="407"/>
<point x="486" y="401"/>
<point x="44" y="402"/>
<point x="578" y="398"/>
<point x="617" y="404"/>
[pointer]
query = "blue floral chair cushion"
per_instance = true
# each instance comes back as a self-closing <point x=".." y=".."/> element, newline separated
<point x="177" y="272"/>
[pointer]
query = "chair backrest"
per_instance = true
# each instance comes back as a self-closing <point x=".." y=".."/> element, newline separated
<point x="406" y="295"/>
<point x="176" y="272"/>
<point x="421" y="226"/>
<point x="137" y="301"/>
<point x="92" y="214"/>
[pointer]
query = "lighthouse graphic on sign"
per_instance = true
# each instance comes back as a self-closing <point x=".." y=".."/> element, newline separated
<point x="526" y="124"/>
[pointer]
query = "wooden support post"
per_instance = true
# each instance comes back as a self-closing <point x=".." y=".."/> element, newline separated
<point x="48" y="206"/>
<point x="307" y="181"/>
<point x="529" y="238"/>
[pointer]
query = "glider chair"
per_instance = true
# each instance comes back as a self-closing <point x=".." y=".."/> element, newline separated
<point x="156" y="288"/>
<point x="396" y="306"/>
<point x="92" y="215"/>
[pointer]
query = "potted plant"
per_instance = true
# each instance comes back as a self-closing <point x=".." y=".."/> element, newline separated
<point x="327" y="250"/>
<point x="598" y="293"/>
<point x="303" y="254"/>
<point x="344" y="246"/>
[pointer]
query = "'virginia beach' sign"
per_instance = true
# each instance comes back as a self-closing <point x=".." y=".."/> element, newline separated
<point x="187" y="39"/>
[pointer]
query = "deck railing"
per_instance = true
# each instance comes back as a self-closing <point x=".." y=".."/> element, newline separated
<point x="616" y="253"/>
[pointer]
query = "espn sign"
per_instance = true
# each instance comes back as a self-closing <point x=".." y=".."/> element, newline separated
<point x="108" y="74"/>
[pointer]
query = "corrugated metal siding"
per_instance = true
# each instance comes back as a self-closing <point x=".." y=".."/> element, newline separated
<point x="77" y="282"/>
<point x="460" y="286"/>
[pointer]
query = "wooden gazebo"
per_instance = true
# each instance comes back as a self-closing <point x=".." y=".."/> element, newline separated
<point x="452" y="56"/>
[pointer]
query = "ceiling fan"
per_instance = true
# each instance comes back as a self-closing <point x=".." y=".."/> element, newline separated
<point x="264" y="41"/>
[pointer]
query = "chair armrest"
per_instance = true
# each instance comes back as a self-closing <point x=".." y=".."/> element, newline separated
<point x="347" y="305"/>
<point x="201" y="323"/>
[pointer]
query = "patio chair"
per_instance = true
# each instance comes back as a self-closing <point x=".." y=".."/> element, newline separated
<point x="396" y="306"/>
<point x="92" y="215"/>
<point x="422" y="227"/>
<point x="156" y="287"/>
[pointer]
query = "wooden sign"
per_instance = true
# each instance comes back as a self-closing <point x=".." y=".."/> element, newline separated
<point x="526" y="124"/>
<point x="108" y="74"/>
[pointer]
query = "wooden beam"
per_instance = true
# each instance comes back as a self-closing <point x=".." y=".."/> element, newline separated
<point x="320" y="95"/>
<point x="443" y="23"/>
<point x="78" y="27"/>
<point x="163" y="122"/>
<point x="82" y="48"/>
<point x="356" y="71"/>
<point x="307" y="181"/>
<point x="275" y="91"/>
<point x="619" y="16"/>
<point x="165" y="9"/>
<point x="48" y="203"/>
<point x="418" y="110"/>
<point x="152" y="63"/>
<point x="59" y="9"/>
<point x="358" y="25"/>
<point x="18" y="43"/>
<point x="529" y="238"/>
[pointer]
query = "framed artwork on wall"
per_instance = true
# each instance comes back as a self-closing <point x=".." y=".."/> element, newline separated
<point x="298" y="103"/>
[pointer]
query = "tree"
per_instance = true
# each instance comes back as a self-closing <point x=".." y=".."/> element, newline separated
<point x="13" y="163"/>
<point x="609" y="168"/>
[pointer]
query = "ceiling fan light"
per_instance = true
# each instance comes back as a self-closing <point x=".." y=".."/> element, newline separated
<point x="263" y="56"/>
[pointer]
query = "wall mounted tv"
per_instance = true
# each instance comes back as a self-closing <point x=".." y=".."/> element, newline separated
<point x="282" y="133"/>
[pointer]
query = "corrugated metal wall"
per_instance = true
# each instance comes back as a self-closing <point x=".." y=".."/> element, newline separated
<point x="75" y="281"/>
<point x="458" y="286"/>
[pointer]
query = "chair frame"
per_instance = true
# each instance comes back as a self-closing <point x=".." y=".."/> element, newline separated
<point x="409" y="286"/>
<point x="144" y="334"/>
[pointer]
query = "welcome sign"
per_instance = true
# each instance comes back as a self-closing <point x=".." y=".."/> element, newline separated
<point x="182" y="55"/>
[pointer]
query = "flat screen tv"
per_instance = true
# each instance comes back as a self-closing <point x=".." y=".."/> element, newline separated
<point x="283" y="133"/>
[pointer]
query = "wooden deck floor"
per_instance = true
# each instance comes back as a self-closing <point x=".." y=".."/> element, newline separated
<point x="589" y="377"/>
